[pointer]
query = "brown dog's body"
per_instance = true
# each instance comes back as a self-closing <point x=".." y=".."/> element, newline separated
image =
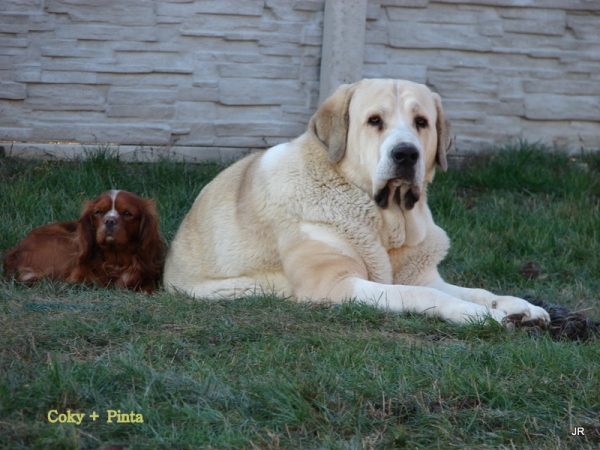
<point x="116" y="241"/>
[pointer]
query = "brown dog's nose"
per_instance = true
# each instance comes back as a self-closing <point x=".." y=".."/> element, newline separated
<point x="406" y="155"/>
<point x="110" y="222"/>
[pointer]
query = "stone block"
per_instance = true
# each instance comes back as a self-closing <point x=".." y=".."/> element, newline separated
<point x="446" y="36"/>
<point x="43" y="151"/>
<point x="466" y="144"/>
<point x="201" y="90"/>
<point x="19" y="52"/>
<point x="283" y="11"/>
<point x="249" y="142"/>
<point x="445" y="14"/>
<point x="59" y="97"/>
<point x="308" y="5"/>
<point x="291" y="130"/>
<point x="201" y="133"/>
<point x="184" y="10"/>
<point x="373" y="11"/>
<point x="252" y="129"/>
<point x="311" y="35"/>
<point x="576" y="5"/>
<point x="22" y="6"/>
<point x="242" y="35"/>
<point x="106" y="33"/>
<point x="377" y="54"/>
<point x="48" y="130"/>
<point x="143" y="112"/>
<point x="42" y="22"/>
<point x="225" y="23"/>
<point x="463" y="83"/>
<point x="132" y="134"/>
<point x="162" y="47"/>
<point x="562" y="86"/>
<point x="179" y="69"/>
<point x="537" y="14"/>
<point x="573" y="136"/>
<point x="262" y="113"/>
<point x="406" y="3"/>
<point x="117" y="13"/>
<point x="64" y="48"/>
<point x="237" y="8"/>
<point x="143" y="80"/>
<point x="496" y="129"/>
<point x="14" y="23"/>
<point x="199" y="111"/>
<point x="12" y="91"/>
<point x="263" y="71"/>
<point x="13" y="42"/>
<point x="166" y="62"/>
<point x="509" y="85"/>
<point x="376" y="36"/>
<point x="15" y="134"/>
<point x="466" y="110"/>
<point x="562" y="107"/>
<point x="260" y="92"/>
<point x="124" y="69"/>
<point x="12" y="113"/>
<point x="537" y="26"/>
<point x="489" y="23"/>
<point x="269" y="26"/>
<point x="583" y="67"/>
<point x="201" y="32"/>
<point x="418" y="74"/>
<point x="68" y="77"/>
<point x="509" y="107"/>
<point x="77" y="65"/>
<point x="272" y="39"/>
<point x="296" y="114"/>
<point x="124" y="96"/>
<point x="584" y="25"/>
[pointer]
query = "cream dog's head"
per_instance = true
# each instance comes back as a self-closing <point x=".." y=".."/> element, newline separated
<point x="386" y="136"/>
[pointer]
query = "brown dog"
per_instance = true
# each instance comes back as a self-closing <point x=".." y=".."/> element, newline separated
<point x="115" y="241"/>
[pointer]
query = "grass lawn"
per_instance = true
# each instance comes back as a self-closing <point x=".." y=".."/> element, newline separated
<point x="268" y="373"/>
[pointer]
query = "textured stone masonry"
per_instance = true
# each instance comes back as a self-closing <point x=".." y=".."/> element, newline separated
<point x="215" y="78"/>
<point x="506" y="69"/>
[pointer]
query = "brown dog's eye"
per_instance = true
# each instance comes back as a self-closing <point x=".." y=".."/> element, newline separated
<point x="376" y="121"/>
<point x="99" y="212"/>
<point x="420" y="122"/>
<point x="127" y="214"/>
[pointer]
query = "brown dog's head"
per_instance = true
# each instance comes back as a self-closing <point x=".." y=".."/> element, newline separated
<point x="119" y="221"/>
<point x="387" y="135"/>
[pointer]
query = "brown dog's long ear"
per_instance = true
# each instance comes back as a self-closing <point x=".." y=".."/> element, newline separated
<point x="330" y="123"/>
<point x="86" y="233"/>
<point x="443" y="134"/>
<point x="151" y="246"/>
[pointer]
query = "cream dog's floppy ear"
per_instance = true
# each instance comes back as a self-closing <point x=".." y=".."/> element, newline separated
<point x="330" y="123"/>
<point x="443" y="134"/>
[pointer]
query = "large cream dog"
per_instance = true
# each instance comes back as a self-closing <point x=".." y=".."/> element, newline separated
<point x="338" y="213"/>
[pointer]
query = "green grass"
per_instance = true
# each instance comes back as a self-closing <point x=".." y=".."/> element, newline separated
<point x="263" y="372"/>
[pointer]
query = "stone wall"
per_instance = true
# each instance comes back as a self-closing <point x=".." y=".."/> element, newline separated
<point x="503" y="70"/>
<point x="218" y="77"/>
<point x="227" y="74"/>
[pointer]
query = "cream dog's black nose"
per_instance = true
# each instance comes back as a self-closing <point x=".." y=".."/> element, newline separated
<point x="405" y="155"/>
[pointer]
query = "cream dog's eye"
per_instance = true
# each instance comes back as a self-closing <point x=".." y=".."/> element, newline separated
<point x="421" y="122"/>
<point x="376" y="121"/>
